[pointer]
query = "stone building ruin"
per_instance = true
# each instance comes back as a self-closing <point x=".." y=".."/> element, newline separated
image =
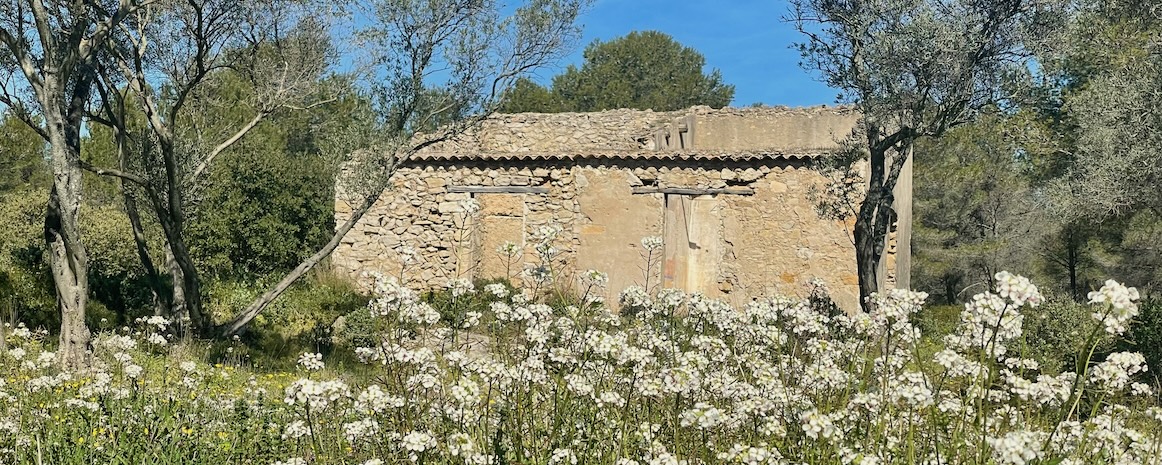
<point x="727" y="191"/>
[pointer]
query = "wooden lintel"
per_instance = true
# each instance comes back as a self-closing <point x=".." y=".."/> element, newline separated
<point x="693" y="191"/>
<point x="499" y="189"/>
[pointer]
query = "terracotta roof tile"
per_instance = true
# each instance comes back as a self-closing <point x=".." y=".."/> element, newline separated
<point x="695" y="155"/>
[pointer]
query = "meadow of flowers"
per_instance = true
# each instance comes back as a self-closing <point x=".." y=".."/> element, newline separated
<point x="670" y="379"/>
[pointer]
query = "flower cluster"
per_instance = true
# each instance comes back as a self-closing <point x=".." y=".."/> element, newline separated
<point x="311" y="362"/>
<point x="675" y="378"/>
<point x="1117" y="306"/>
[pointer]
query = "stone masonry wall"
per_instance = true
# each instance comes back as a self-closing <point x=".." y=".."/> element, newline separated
<point x="771" y="242"/>
<point x="419" y="212"/>
<point x="627" y="130"/>
<point x="725" y="244"/>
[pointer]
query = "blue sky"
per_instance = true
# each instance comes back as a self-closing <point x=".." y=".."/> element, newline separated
<point x="745" y="39"/>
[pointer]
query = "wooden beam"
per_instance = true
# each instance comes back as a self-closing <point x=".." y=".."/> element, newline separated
<point x="499" y="189"/>
<point x="693" y="191"/>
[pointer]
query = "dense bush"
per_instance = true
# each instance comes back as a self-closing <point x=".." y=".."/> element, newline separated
<point x="1146" y="337"/>
<point x="271" y="209"/>
<point x="25" y="284"/>
<point x="119" y="291"/>
<point x="1053" y="332"/>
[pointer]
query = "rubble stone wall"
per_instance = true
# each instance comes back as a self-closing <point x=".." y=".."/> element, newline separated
<point x="761" y="236"/>
<point x="770" y="242"/>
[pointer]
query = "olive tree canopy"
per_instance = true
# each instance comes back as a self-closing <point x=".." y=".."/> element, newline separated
<point x="914" y="68"/>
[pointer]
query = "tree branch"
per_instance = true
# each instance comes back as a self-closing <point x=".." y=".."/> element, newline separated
<point x="205" y="163"/>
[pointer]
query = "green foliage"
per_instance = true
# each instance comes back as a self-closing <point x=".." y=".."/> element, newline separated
<point x="265" y="211"/>
<point x="454" y="309"/>
<point x="1054" y="330"/>
<point x="115" y="274"/>
<point x="1091" y="124"/>
<point x="1145" y="336"/>
<point x="117" y="280"/>
<point x="268" y="201"/>
<point x="643" y="70"/>
<point x="100" y="149"/>
<point x="25" y="283"/>
<point x="22" y="156"/>
<point x="528" y="96"/>
<point x="973" y="210"/>
<point x="936" y="321"/>
<point x="1052" y="333"/>
<point x="355" y="329"/>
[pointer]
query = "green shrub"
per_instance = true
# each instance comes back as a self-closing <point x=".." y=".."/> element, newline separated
<point x="25" y="283"/>
<point x="118" y="290"/>
<point x="273" y="208"/>
<point x="1052" y="332"/>
<point x="117" y="280"/>
<point x="1145" y="336"/>
<point x="454" y="309"/>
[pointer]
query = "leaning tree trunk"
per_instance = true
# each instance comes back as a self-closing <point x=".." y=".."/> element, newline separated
<point x="162" y="297"/>
<point x="256" y="307"/>
<point x="191" y="284"/>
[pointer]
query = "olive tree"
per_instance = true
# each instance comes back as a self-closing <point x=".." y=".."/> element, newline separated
<point x="50" y="52"/>
<point x="914" y="68"/>
<point x="162" y="75"/>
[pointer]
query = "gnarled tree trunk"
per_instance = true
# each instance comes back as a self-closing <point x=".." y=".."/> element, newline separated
<point x="68" y="259"/>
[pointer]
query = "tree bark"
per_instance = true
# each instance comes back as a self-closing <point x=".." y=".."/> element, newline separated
<point x="866" y="259"/>
<point x="68" y="260"/>
<point x="866" y="231"/>
<point x="162" y="297"/>
<point x="186" y="284"/>
<point x="875" y="216"/>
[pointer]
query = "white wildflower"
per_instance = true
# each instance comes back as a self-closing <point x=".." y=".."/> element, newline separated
<point x="563" y="456"/>
<point x="1018" y="289"/>
<point x="461" y="287"/>
<point x="295" y="429"/>
<point x="1017" y="447"/>
<point x="816" y="425"/>
<point x="496" y="290"/>
<point x="652" y="243"/>
<point x="1115" y="372"/>
<point x="358" y="430"/>
<point x="1118" y="306"/>
<point x="311" y="361"/>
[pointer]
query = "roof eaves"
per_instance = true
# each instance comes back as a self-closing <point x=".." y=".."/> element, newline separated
<point x="614" y="155"/>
